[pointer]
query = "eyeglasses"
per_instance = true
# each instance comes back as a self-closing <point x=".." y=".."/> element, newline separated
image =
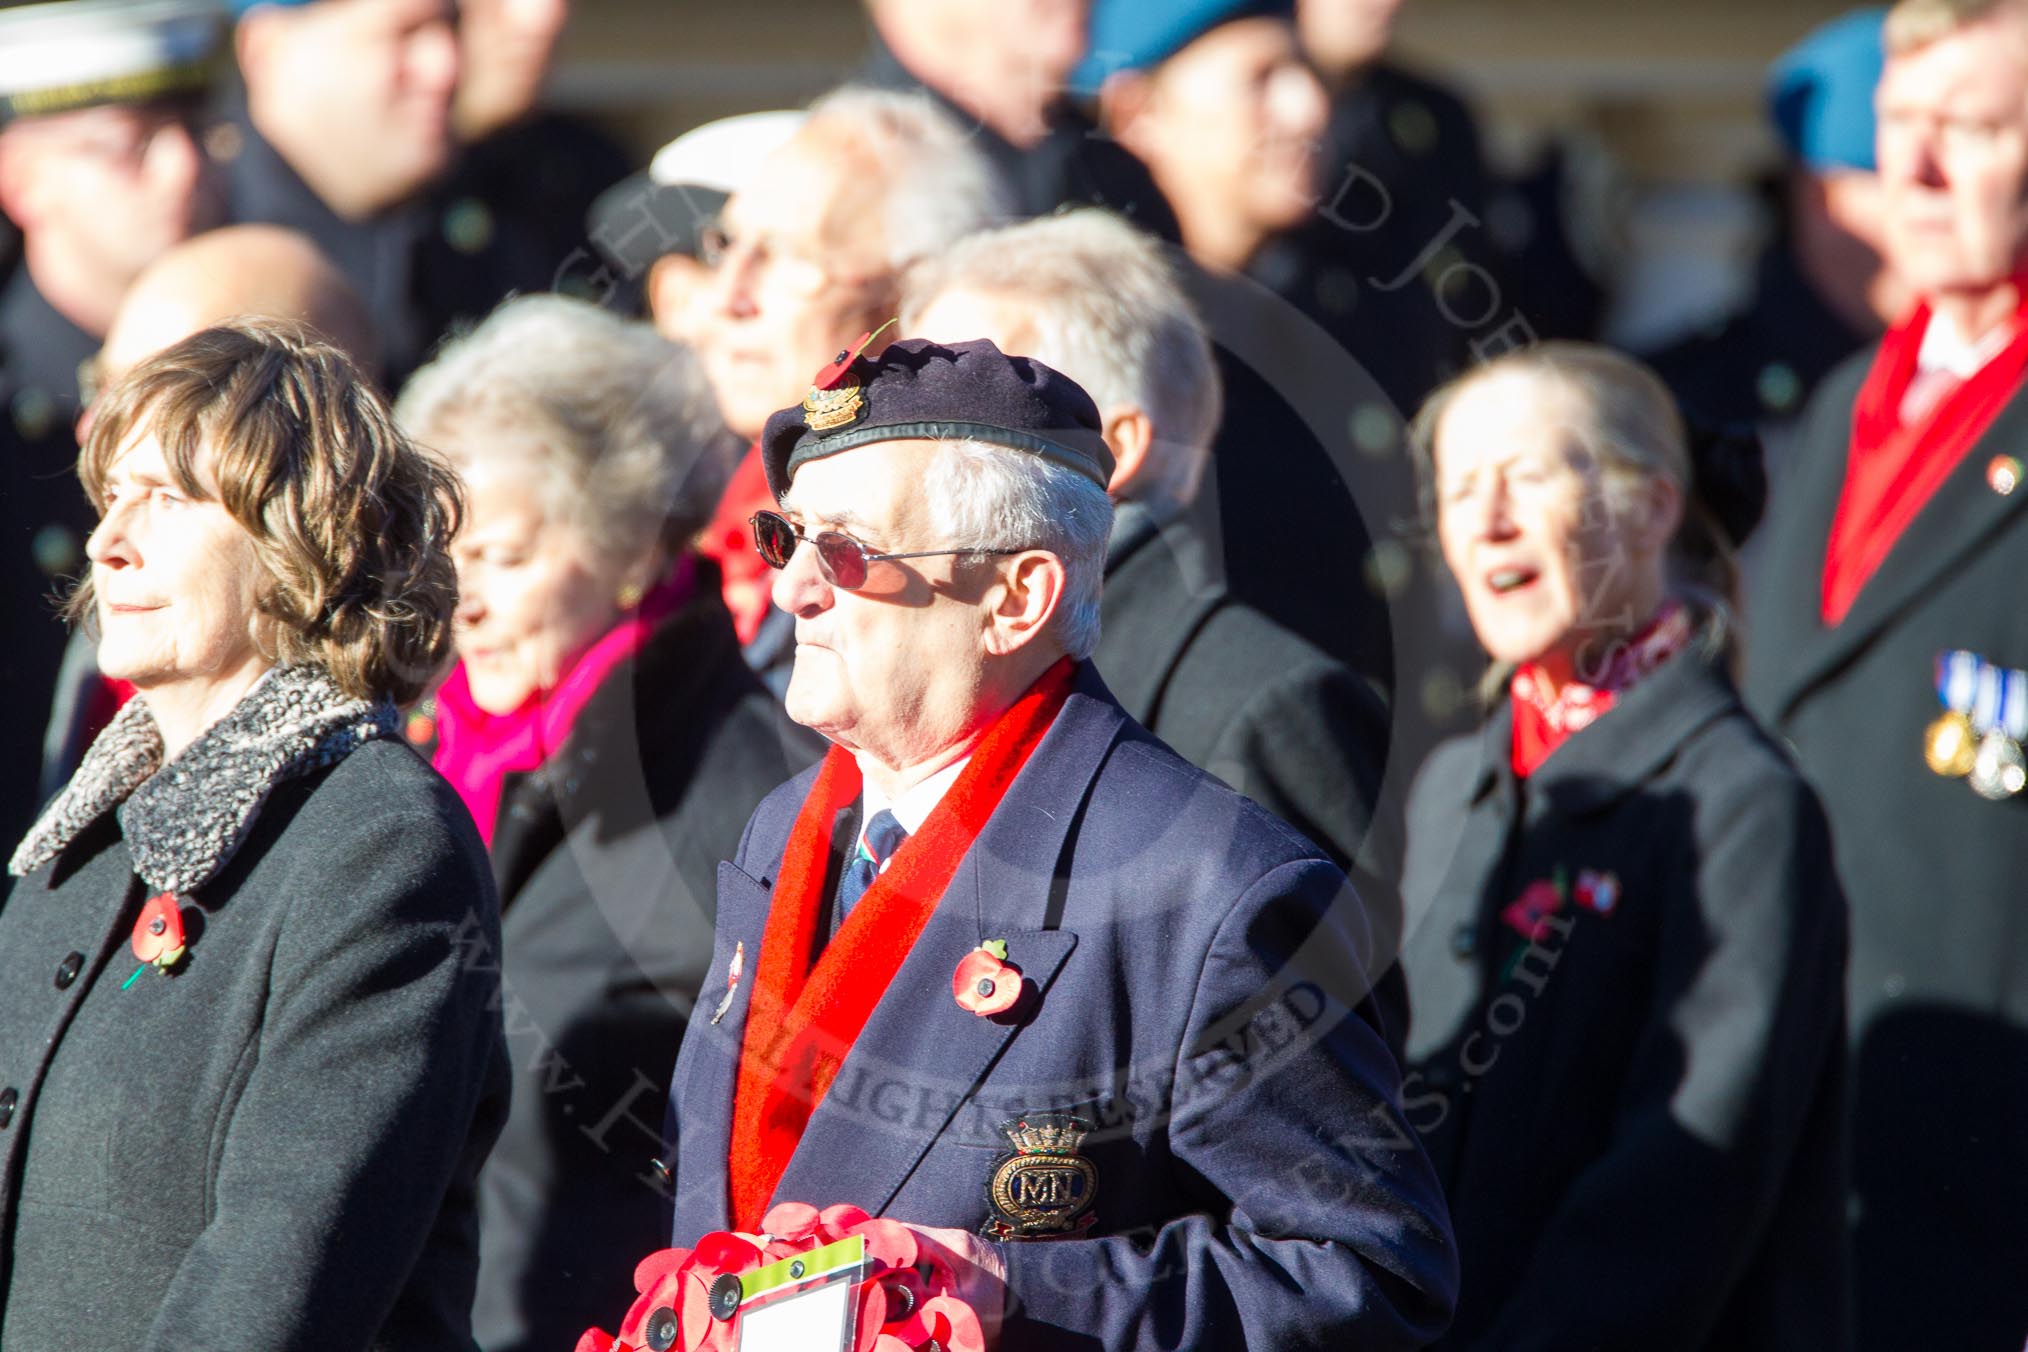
<point x="794" y="273"/>
<point x="842" y="558"/>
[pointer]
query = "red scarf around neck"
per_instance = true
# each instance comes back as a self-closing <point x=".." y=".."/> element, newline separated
<point x="804" y="1018"/>
<point x="1893" y="470"/>
<point x="1546" y="717"/>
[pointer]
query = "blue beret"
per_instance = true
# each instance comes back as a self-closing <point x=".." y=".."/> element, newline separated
<point x="1137" y="34"/>
<point x="942" y="392"/>
<point x="1820" y="93"/>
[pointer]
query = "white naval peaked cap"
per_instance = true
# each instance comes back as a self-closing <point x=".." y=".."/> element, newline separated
<point x="721" y="155"/>
<point x="79" y="53"/>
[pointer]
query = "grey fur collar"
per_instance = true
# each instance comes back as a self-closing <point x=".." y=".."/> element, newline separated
<point x="183" y="821"/>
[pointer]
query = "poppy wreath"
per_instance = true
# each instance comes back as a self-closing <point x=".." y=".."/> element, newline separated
<point x="907" y="1301"/>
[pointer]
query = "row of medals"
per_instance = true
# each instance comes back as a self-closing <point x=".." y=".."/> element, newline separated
<point x="1992" y="764"/>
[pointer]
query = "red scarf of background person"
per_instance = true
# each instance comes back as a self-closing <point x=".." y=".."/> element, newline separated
<point x="804" y="1018"/>
<point x="476" y="751"/>
<point x="1547" y="715"/>
<point x="1892" y="470"/>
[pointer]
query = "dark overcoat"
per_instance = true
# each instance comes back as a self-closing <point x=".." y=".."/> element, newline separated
<point x="1256" y="704"/>
<point x="1197" y="968"/>
<point x="1235" y="693"/>
<point x="607" y="859"/>
<point x="1636" y="1113"/>
<point x="1939" y="978"/>
<point x="278" y="1144"/>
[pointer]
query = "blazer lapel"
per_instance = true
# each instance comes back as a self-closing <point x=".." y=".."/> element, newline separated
<point x="921" y="1056"/>
<point x="1958" y="521"/>
<point x="711" y="1062"/>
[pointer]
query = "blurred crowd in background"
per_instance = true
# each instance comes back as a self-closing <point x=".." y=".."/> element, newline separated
<point x="1262" y="239"/>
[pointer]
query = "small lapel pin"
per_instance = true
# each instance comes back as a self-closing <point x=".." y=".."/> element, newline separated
<point x="2003" y="474"/>
<point x="732" y="972"/>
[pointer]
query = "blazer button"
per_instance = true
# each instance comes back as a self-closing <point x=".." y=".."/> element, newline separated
<point x="8" y="1098"/>
<point x="67" y="970"/>
<point x="1465" y="941"/>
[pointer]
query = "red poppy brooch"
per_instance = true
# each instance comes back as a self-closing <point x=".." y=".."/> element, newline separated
<point x="159" y="940"/>
<point x="986" y="983"/>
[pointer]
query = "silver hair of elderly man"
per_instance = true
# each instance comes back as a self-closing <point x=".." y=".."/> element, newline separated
<point x="940" y="185"/>
<point x="1107" y="310"/>
<point x="991" y="497"/>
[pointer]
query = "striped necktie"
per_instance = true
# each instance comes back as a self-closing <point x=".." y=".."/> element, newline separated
<point x="877" y="843"/>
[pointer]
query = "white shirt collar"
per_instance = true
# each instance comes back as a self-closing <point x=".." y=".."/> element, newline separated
<point x="912" y="809"/>
<point x="1945" y="347"/>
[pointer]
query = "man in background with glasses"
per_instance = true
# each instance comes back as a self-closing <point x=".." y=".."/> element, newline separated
<point x="101" y="171"/>
<point x="807" y="257"/>
<point x="1004" y="967"/>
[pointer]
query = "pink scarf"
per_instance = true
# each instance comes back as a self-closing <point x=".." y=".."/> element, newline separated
<point x="476" y="750"/>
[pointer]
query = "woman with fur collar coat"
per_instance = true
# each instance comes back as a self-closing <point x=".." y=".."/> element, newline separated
<point x="250" y="1045"/>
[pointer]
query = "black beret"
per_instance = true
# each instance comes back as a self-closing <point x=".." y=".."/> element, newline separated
<point x="942" y="392"/>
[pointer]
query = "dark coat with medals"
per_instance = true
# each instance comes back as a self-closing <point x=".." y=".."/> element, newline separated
<point x="1627" y="975"/>
<point x="274" y="1143"/>
<point x="1939" y="979"/>
<point x="1198" y="974"/>
<point x="607" y="858"/>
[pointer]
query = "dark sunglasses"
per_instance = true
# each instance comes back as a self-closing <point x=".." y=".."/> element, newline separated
<point x="842" y="558"/>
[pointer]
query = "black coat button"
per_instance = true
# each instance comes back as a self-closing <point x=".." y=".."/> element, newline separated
<point x="67" y="970"/>
<point x="1465" y="941"/>
<point x="8" y="1098"/>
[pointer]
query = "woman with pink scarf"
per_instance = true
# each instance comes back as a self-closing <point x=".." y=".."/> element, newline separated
<point x="610" y="742"/>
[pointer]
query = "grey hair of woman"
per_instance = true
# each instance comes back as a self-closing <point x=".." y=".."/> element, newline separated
<point x="990" y="497"/>
<point x="1630" y="427"/>
<point x="1107" y="310"/>
<point x="616" y="421"/>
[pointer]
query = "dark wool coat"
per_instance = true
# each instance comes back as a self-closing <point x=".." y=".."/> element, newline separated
<point x="277" y="1144"/>
<point x="1257" y="705"/>
<point x="1636" y="1116"/>
<point x="1939" y="980"/>
<point x="1192" y="961"/>
<point x="608" y="860"/>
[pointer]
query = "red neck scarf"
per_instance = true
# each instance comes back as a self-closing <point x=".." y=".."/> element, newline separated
<point x="476" y="751"/>
<point x="804" y="1018"/>
<point x="1892" y="470"/>
<point x="747" y="580"/>
<point x="1544" y="722"/>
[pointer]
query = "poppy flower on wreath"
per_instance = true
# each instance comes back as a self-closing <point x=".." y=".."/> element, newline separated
<point x="906" y="1300"/>
<point x="986" y="983"/>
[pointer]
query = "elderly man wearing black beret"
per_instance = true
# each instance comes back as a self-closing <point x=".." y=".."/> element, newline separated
<point x="1000" y="921"/>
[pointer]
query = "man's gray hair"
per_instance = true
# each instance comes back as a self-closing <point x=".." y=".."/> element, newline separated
<point x="989" y="497"/>
<point x="622" y="428"/>
<point x="941" y="186"/>
<point x="1107" y="311"/>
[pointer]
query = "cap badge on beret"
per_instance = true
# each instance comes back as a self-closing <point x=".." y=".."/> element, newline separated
<point x="838" y="396"/>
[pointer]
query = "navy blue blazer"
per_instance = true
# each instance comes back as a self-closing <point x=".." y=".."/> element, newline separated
<point x="1200" y="975"/>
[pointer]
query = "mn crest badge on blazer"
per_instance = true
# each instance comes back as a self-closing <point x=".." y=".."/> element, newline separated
<point x="1044" y="1189"/>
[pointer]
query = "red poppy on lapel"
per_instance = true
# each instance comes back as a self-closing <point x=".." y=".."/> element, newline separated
<point x="985" y="982"/>
<point x="158" y="933"/>
<point x="1528" y="914"/>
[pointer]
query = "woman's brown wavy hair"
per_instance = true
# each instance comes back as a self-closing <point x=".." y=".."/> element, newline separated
<point x="351" y="521"/>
